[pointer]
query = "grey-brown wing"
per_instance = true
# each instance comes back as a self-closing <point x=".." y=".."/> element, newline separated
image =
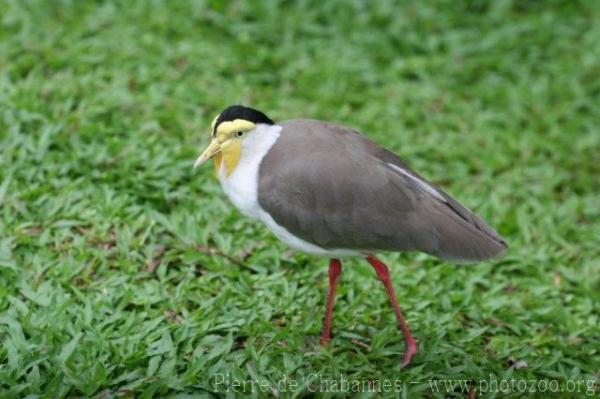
<point x="334" y="188"/>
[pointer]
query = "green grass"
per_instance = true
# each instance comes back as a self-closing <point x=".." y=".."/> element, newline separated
<point x="113" y="280"/>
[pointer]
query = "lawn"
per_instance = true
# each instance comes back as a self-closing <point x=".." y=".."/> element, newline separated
<point x="124" y="272"/>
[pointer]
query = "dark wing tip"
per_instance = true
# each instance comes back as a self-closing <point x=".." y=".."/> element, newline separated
<point x="460" y="234"/>
<point x="468" y="243"/>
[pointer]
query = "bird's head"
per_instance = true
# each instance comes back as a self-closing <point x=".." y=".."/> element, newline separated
<point x="229" y="129"/>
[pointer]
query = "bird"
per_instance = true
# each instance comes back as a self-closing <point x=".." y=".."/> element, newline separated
<point x="330" y="191"/>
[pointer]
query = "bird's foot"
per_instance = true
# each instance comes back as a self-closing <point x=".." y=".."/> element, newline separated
<point x="324" y="341"/>
<point x="411" y="350"/>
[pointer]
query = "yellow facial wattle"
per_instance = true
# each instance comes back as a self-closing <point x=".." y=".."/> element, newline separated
<point x="218" y="159"/>
<point x="230" y="155"/>
<point x="226" y="144"/>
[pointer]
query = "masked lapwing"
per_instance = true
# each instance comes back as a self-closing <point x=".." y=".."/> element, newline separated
<point x="327" y="190"/>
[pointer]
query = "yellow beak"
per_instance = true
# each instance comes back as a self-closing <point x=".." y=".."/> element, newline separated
<point x="213" y="149"/>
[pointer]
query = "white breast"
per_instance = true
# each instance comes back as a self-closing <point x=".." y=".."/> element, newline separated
<point x="241" y="187"/>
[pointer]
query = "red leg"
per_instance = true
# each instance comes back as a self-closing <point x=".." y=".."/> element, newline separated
<point x="335" y="269"/>
<point x="384" y="275"/>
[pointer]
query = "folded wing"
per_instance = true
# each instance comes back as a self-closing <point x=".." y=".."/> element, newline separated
<point x="335" y="188"/>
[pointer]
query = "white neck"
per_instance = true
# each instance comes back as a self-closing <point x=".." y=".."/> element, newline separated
<point x="242" y="184"/>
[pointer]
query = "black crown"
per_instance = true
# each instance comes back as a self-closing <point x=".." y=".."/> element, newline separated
<point x="240" y="112"/>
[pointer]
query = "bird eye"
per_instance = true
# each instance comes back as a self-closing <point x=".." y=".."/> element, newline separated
<point x="239" y="134"/>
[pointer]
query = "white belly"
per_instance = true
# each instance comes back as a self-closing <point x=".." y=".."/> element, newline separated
<point x="241" y="188"/>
